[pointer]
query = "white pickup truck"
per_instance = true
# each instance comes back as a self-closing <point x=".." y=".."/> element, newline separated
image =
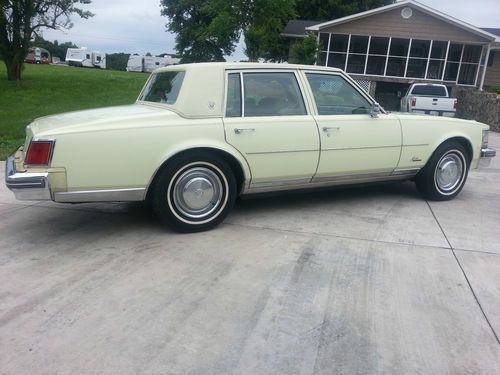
<point x="429" y="98"/>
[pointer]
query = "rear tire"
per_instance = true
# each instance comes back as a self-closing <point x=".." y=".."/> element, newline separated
<point x="194" y="193"/>
<point x="444" y="175"/>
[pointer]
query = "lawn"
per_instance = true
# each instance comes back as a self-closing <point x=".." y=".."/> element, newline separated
<point x="49" y="89"/>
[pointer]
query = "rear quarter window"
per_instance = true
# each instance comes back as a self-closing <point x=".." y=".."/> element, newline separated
<point x="163" y="87"/>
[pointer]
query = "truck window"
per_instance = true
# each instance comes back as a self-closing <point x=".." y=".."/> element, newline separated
<point x="429" y="90"/>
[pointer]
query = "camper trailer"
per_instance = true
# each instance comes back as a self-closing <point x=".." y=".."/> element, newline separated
<point x="85" y="58"/>
<point x="135" y="63"/>
<point x="138" y="63"/>
<point x="37" y="55"/>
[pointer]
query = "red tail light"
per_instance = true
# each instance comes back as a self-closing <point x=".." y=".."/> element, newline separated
<point x="39" y="153"/>
<point x="455" y="104"/>
<point x="413" y="102"/>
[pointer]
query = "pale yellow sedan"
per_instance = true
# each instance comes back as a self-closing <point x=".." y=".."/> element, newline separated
<point x="200" y="135"/>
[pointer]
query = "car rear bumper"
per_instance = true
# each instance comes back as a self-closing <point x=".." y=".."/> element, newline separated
<point x="26" y="185"/>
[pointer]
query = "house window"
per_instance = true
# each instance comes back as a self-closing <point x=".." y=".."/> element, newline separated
<point x="358" y="48"/>
<point x="377" y="56"/>
<point x="401" y="57"/>
<point x="399" y="47"/>
<point x="491" y="58"/>
<point x="453" y="64"/>
<point x="469" y="65"/>
<point x="339" y="44"/>
<point x="437" y="59"/>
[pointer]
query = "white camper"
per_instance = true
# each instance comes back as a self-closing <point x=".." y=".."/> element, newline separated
<point x="135" y="63"/>
<point x="138" y="63"/>
<point x="86" y="58"/>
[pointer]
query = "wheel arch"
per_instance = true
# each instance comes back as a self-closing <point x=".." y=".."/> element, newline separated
<point x="465" y="142"/>
<point x="240" y="170"/>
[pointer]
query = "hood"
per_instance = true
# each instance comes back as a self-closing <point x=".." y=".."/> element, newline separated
<point x="100" y="119"/>
<point x="406" y="116"/>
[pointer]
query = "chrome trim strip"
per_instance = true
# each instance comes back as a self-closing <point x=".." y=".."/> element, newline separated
<point x="279" y="152"/>
<point x="405" y="172"/>
<point x="488" y="152"/>
<point x="112" y="195"/>
<point x="359" y="148"/>
<point x="319" y="184"/>
<point x="351" y="177"/>
<point x="417" y="144"/>
<point x="279" y="183"/>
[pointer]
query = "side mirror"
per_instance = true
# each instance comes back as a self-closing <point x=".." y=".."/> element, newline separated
<point x="375" y="111"/>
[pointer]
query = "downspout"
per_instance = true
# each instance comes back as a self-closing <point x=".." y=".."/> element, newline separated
<point x="484" y="67"/>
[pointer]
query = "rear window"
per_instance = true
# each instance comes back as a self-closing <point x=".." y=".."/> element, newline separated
<point x="429" y="91"/>
<point x="163" y="87"/>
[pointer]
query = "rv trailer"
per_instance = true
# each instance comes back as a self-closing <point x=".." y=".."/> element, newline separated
<point x="85" y="58"/>
<point x="37" y="55"/>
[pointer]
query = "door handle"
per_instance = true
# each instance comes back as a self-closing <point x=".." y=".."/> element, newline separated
<point x="241" y="130"/>
<point x="327" y="129"/>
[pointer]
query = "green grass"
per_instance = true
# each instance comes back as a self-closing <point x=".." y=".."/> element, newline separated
<point x="50" y="89"/>
<point x="495" y="89"/>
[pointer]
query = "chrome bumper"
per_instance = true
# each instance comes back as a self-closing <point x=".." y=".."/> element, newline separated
<point x="488" y="152"/>
<point x="486" y="155"/>
<point x="26" y="185"/>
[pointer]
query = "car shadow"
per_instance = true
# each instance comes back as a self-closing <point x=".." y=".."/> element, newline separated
<point x="318" y="197"/>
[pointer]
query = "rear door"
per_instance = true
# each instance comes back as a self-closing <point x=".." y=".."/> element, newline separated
<point x="267" y="121"/>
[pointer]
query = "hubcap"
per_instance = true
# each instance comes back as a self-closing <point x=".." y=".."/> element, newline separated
<point x="198" y="192"/>
<point x="449" y="172"/>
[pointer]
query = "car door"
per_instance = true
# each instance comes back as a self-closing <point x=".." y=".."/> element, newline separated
<point x="354" y="145"/>
<point x="267" y="121"/>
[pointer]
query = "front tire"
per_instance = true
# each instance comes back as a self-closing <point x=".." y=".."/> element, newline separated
<point x="194" y="193"/>
<point x="445" y="173"/>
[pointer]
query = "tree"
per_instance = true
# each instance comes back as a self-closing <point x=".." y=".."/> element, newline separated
<point x="304" y="52"/>
<point x="206" y="30"/>
<point x="327" y="10"/>
<point x="21" y="20"/>
<point x="117" y="61"/>
<point x="265" y="23"/>
<point x="54" y="47"/>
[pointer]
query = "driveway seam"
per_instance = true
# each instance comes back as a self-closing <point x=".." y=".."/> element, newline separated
<point x="465" y="275"/>
<point x="336" y="236"/>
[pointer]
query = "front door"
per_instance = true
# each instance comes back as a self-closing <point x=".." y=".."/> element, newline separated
<point x="271" y="127"/>
<point x="354" y="145"/>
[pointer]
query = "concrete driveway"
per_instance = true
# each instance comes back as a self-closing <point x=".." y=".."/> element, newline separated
<point x="357" y="281"/>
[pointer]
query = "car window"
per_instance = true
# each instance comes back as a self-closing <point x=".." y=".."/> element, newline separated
<point x="163" y="87"/>
<point x="335" y="96"/>
<point x="272" y="94"/>
<point x="233" y="102"/>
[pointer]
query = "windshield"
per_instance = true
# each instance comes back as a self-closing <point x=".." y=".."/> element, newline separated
<point x="163" y="87"/>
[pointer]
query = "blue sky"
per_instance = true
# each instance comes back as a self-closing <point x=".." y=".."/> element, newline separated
<point x="123" y="26"/>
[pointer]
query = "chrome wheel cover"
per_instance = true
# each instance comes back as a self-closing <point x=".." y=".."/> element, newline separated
<point x="450" y="172"/>
<point x="197" y="193"/>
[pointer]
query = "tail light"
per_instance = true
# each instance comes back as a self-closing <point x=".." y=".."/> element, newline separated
<point x="455" y="104"/>
<point x="39" y="153"/>
<point x="413" y="102"/>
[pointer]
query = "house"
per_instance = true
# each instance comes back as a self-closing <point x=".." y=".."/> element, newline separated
<point x="388" y="48"/>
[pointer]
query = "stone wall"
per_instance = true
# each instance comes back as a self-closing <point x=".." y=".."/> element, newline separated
<point x="478" y="105"/>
